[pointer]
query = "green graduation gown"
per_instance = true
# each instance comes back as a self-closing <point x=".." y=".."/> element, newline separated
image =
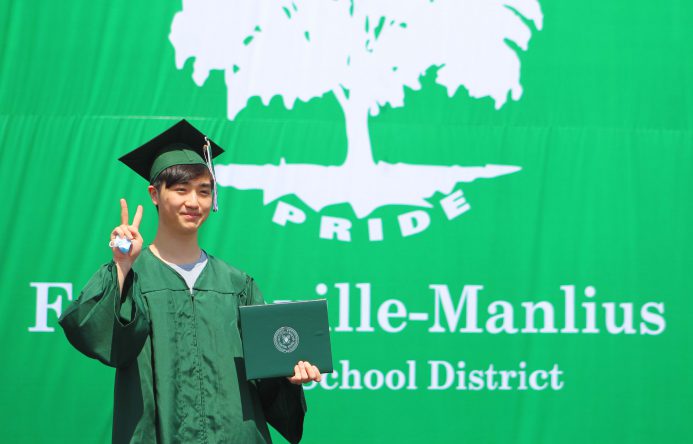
<point x="178" y="356"/>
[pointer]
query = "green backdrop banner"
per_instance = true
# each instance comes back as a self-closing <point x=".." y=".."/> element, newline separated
<point x="493" y="196"/>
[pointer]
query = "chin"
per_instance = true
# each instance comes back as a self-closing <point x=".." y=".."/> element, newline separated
<point x="198" y="224"/>
<point x="188" y="228"/>
<point x="192" y="224"/>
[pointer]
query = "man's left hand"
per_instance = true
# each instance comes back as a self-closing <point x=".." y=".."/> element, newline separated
<point x="304" y="372"/>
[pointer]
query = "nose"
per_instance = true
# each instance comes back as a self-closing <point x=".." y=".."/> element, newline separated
<point x="192" y="200"/>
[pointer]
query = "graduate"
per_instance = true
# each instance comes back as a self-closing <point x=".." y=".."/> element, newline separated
<point x="166" y="316"/>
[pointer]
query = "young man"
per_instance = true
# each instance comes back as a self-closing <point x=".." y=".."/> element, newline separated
<point x="166" y="317"/>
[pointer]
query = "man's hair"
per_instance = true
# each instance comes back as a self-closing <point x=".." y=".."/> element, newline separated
<point x="176" y="174"/>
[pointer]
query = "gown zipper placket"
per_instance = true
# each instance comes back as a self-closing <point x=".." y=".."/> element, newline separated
<point x="203" y="413"/>
<point x="203" y="418"/>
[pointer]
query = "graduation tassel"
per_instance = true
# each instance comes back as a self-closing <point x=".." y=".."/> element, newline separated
<point x="207" y="150"/>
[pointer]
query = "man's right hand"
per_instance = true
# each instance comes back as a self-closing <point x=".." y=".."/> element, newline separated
<point x="131" y="232"/>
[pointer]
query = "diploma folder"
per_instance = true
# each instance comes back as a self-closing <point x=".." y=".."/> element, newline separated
<point x="276" y="336"/>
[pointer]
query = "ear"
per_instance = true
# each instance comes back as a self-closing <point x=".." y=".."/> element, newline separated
<point x="154" y="195"/>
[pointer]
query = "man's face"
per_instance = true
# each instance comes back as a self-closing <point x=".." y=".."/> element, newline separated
<point x="185" y="206"/>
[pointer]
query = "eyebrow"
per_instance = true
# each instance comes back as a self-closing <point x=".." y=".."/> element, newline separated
<point x="188" y="183"/>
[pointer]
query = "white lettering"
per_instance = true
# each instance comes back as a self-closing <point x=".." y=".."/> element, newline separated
<point x="590" y="312"/>
<point x="454" y="204"/>
<point x="331" y="227"/>
<point x="324" y="382"/>
<point x="476" y="380"/>
<point x="610" y="314"/>
<point x="384" y="315"/>
<point x="375" y="229"/>
<point x="533" y="383"/>
<point x="42" y="305"/>
<point x="365" y="290"/>
<point x="413" y="222"/>
<point x="452" y="315"/>
<point x="368" y="379"/>
<point x="395" y="375"/>
<point x="412" y="375"/>
<point x="569" y="293"/>
<point x="435" y="379"/>
<point x="650" y="317"/>
<point x="546" y="309"/>
<point x="343" y="307"/>
<point x="284" y="213"/>
<point x="348" y="373"/>
<point x="505" y="315"/>
<point x="555" y="373"/>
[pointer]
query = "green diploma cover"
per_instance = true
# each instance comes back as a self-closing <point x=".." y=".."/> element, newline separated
<point x="276" y="336"/>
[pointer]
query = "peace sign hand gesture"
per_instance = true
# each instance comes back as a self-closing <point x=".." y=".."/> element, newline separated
<point x="130" y="232"/>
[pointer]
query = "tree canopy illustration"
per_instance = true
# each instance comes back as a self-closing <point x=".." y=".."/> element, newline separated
<point x="365" y="53"/>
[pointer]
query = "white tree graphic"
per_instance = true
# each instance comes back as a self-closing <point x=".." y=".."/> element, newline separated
<point x="365" y="53"/>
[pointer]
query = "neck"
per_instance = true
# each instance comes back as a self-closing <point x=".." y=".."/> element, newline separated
<point x="178" y="248"/>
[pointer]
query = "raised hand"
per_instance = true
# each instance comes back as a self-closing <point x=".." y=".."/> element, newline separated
<point x="304" y="372"/>
<point x="130" y="232"/>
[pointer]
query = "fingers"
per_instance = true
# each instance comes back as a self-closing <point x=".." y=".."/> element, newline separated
<point x="305" y="372"/>
<point x="123" y="212"/>
<point x="296" y="378"/>
<point x="138" y="217"/>
<point x="119" y="231"/>
<point x="310" y="370"/>
<point x="129" y="232"/>
<point x="134" y="231"/>
<point x="125" y="229"/>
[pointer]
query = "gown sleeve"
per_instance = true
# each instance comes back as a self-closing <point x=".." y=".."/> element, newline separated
<point x="283" y="403"/>
<point x="105" y="324"/>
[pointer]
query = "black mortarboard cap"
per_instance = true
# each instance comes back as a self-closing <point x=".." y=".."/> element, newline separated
<point x="182" y="144"/>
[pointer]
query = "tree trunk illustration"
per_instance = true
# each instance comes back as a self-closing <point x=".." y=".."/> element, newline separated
<point x="359" y="155"/>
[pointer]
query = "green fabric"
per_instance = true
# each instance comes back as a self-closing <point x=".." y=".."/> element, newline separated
<point x="179" y="359"/>
<point x="175" y="155"/>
